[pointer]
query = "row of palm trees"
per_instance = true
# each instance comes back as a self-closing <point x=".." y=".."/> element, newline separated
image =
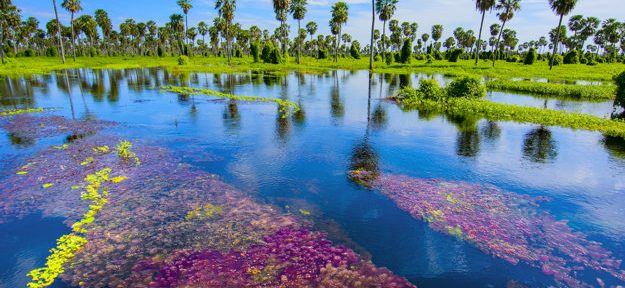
<point x="142" y="37"/>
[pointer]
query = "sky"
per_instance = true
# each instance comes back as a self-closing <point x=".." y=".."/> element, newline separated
<point x="534" y="20"/>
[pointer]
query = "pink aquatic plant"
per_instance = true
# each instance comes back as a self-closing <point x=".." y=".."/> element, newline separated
<point x="503" y="224"/>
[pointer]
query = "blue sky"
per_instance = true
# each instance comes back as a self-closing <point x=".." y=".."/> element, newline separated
<point x="535" y="18"/>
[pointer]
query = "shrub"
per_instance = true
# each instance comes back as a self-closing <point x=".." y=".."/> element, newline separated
<point x="389" y="57"/>
<point x="354" y="50"/>
<point x="583" y="60"/>
<point x="52" y="52"/>
<point x="323" y="54"/>
<point x="438" y="55"/>
<point x="530" y="57"/>
<point x="264" y="55"/>
<point x="513" y="59"/>
<point x="620" y="89"/>
<point x="275" y="57"/>
<point x="466" y="87"/>
<point x="558" y="60"/>
<point x="159" y="51"/>
<point x="455" y="54"/>
<point x="93" y="52"/>
<point x="430" y="89"/>
<point x="255" y="51"/>
<point x="572" y="57"/>
<point x="377" y="58"/>
<point x="238" y="53"/>
<point x="29" y="53"/>
<point x="183" y="60"/>
<point x="429" y="59"/>
<point x="406" y="52"/>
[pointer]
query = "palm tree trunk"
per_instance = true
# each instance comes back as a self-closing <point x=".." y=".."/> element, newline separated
<point x="371" y="44"/>
<point x="338" y="44"/>
<point x="384" y="41"/>
<point x="299" y="41"/>
<point x="479" y="39"/>
<point x="555" y="46"/>
<point x="227" y="42"/>
<point x="283" y="38"/>
<point x="497" y="45"/>
<point x="73" y="40"/>
<point x="186" y="26"/>
<point x="1" y="42"/>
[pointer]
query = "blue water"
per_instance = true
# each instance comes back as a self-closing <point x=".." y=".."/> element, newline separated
<point x="301" y="163"/>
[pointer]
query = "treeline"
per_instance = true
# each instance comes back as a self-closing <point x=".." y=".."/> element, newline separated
<point x="584" y="39"/>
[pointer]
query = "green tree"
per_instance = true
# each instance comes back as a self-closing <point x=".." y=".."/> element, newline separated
<point x="73" y="6"/>
<point x="281" y="8"/>
<point x="7" y="11"/>
<point x="561" y="8"/>
<point x="202" y="28"/>
<point x="371" y="49"/>
<point x="385" y="10"/>
<point x="185" y="5"/>
<point x="311" y="28"/>
<point x="298" y="10"/>
<point x="437" y="33"/>
<point x="226" y="11"/>
<point x="482" y="6"/>
<point x="506" y="9"/>
<point x="339" y="17"/>
<point x="58" y="32"/>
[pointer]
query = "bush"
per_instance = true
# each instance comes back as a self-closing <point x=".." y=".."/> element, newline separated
<point x="438" y="55"/>
<point x="377" y="58"/>
<point x="572" y="57"/>
<point x="52" y="52"/>
<point x="266" y="52"/>
<point x="430" y="89"/>
<point x="558" y="60"/>
<point x="429" y="59"/>
<point x="397" y="57"/>
<point x="406" y="52"/>
<point x="323" y="54"/>
<point x="389" y="57"/>
<point x="183" y="60"/>
<point x="455" y="54"/>
<point x="620" y="89"/>
<point x="466" y="87"/>
<point x="583" y="60"/>
<point x="29" y="53"/>
<point x="354" y="50"/>
<point x="238" y="53"/>
<point x="159" y="51"/>
<point x="275" y="57"/>
<point x="530" y="57"/>
<point x="513" y="59"/>
<point x="255" y="51"/>
<point x="93" y="52"/>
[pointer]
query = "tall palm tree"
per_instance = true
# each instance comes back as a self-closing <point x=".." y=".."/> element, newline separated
<point x="298" y="9"/>
<point x="506" y="10"/>
<point x="386" y="9"/>
<point x="202" y="27"/>
<point x="482" y="6"/>
<point x="7" y="10"/>
<point x="73" y="6"/>
<point x="562" y="8"/>
<point x="281" y="8"/>
<point x="185" y="5"/>
<point x="58" y="32"/>
<point x="339" y="17"/>
<point x="371" y="43"/>
<point x="226" y="11"/>
<point x="311" y="27"/>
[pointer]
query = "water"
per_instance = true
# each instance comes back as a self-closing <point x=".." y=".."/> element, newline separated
<point x="302" y="162"/>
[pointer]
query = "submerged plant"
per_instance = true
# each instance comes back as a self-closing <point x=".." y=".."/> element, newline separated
<point x="63" y="253"/>
<point x="13" y="112"/>
<point x="123" y="151"/>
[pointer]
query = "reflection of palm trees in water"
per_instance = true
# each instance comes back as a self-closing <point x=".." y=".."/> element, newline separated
<point x="336" y="103"/>
<point x="539" y="145"/>
<point x="299" y="116"/>
<point x="364" y="159"/>
<point x="468" y="141"/>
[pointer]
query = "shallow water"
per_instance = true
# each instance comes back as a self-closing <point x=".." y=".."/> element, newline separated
<point x="303" y="162"/>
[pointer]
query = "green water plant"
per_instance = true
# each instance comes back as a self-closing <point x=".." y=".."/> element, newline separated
<point x="598" y="92"/>
<point x="206" y="211"/>
<point x="67" y="247"/>
<point x="13" y="112"/>
<point x="124" y="152"/>
<point x="286" y="107"/>
<point x="466" y="87"/>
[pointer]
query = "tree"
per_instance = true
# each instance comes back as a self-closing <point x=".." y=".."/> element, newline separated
<point x="7" y="11"/>
<point x="185" y="5"/>
<point x="561" y="8"/>
<point x="73" y="6"/>
<point x="339" y="17"/>
<point x="226" y="11"/>
<point x="437" y="33"/>
<point x="281" y="8"/>
<point x="298" y="10"/>
<point x="425" y="37"/>
<point x="311" y="28"/>
<point x="58" y="33"/>
<point x="372" y="39"/>
<point x="202" y="28"/>
<point x="482" y="6"/>
<point x="506" y="10"/>
<point x="385" y="10"/>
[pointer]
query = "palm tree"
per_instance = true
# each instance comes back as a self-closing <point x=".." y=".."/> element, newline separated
<point x="58" y="32"/>
<point x="339" y="17"/>
<point x="311" y="27"/>
<point x="562" y="8"/>
<point x="298" y="9"/>
<point x="386" y="9"/>
<point x="7" y="9"/>
<point x="281" y="7"/>
<point x="73" y="6"/>
<point x="185" y="5"/>
<point x="437" y="33"/>
<point x="482" y="6"/>
<point x="202" y="27"/>
<point x="226" y="11"/>
<point x="371" y="43"/>
<point x="507" y="9"/>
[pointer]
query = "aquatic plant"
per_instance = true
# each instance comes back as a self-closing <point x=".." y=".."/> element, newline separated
<point x="30" y="126"/>
<point x="503" y="224"/>
<point x="63" y="253"/>
<point x="286" y="107"/>
<point x="13" y="112"/>
<point x="466" y="87"/>
<point x="123" y="151"/>
<point x="599" y="92"/>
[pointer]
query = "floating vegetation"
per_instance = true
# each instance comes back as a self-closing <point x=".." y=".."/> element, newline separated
<point x="64" y="252"/>
<point x="287" y="258"/>
<point x="31" y="127"/>
<point x="503" y="224"/>
<point x="415" y="99"/>
<point x="598" y="92"/>
<point x="123" y="151"/>
<point x="286" y="107"/>
<point x="13" y="112"/>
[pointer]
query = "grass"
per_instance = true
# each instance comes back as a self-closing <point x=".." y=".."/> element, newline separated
<point x="506" y="70"/>
<point x="522" y="114"/>
<point x="586" y="92"/>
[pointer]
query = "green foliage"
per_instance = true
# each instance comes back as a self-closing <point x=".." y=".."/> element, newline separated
<point x="438" y="55"/>
<point x="29" y="53"/>
<point x="123" y="152"/>
<point x="513" y="59"/>
<point x="428" y="89"/>
<point x="572" y="57"/>
<point x="275" y="57"/>
<point x="183" y="60"/>
<point x="266" y="52"/>
<point x="455" y="54"/>
<point x="13" y="112"/>
<point x="52" y="52"/>
<point x="554" y="89"/>
<point x="93" y="52"/>
<point x="406" y="52"/>
<point x="204" y="212"/>
<point x="159" y="51"/>
<point x="530" y="57"/>
<point x="558" y="60"/>
<point x="323" y="54"/>
<point x="255" y="51"/>
<point x="238" y="53"/>
<point x="354" y="50"/>
<point x="67" y="247"/>
<point x="620" y="89"/>
<point x="429" y="59"/>
<point x="389" y="57"/>
<point x="286" y="107"/>
<point x="466" y="87"/>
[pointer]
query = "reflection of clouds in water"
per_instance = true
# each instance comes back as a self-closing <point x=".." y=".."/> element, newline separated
<point x="608" y="214"/>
